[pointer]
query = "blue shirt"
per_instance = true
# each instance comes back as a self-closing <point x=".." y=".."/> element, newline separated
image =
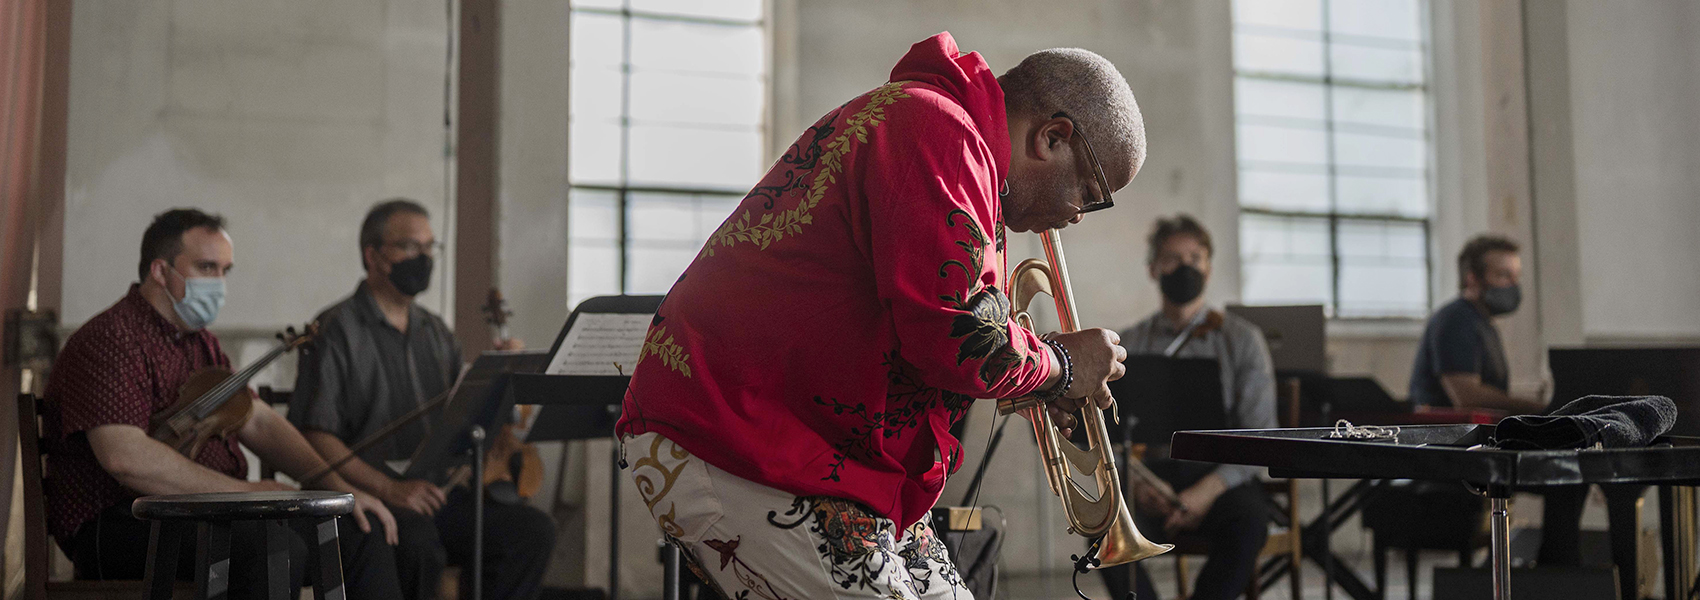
<point x="1459" y="338"/>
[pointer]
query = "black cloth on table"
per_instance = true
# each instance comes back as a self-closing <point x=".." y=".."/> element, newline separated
<point x="1612" y="421"/>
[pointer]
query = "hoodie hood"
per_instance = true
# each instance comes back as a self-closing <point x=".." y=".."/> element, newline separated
<point x="967" y="78"/>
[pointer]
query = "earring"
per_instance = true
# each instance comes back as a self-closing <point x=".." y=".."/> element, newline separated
<point x="1004" y="191"/>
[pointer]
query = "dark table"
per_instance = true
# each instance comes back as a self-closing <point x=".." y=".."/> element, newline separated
<point x="1457" y="453"/>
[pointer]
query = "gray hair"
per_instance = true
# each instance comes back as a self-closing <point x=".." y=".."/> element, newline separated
<point x="1088" y="88"/>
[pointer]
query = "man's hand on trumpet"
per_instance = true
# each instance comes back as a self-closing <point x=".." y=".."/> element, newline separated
<point x="1097" y="356"/>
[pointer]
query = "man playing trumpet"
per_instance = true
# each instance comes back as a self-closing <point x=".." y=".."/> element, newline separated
<point x="788" y="419"/>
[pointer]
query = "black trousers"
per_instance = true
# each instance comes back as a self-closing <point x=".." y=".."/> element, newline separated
<point x="1237" y="525"/>
<point x="517" y="542"/>
<point x="115" y="546"/>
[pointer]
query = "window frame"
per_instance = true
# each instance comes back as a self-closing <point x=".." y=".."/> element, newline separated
<point x="623" y="189"/>
<point x="1328" y="81"/>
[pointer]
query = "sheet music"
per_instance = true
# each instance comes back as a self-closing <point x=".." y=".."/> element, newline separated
<point x="598" y="342"/>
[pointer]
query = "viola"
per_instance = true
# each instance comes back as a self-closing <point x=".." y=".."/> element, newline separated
<point x="509" y="461"/>
<point x="215" y="403"/>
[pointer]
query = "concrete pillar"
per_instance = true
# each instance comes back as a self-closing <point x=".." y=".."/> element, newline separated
<point x="1553" y="172"/>
<point x="1510" y="212"/>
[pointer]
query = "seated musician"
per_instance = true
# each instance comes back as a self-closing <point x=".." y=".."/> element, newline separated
<point x="788" y="420"/>
<point x="1224" y="503"/>
<point x="1461" y="363"/>
<point x="378" y="356"/>
<point x="124" y="366"/>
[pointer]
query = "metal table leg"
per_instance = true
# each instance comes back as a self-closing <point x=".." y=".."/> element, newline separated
<point x="669" y="571"/>
<point x="615" y="468"/>
<point x="1501" y="550"/>
<point x="477" y="435"/>
<point x="1677" y="535"/>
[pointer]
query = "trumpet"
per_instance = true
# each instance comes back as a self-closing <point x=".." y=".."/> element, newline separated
<point x="1101" y="516"/>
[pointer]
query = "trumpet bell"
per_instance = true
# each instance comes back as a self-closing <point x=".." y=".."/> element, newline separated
<point x="1124" y="544"/>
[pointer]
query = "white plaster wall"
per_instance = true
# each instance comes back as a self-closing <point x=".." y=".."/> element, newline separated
<point x="288" y="117"/>
<point x="1635" y="111"/>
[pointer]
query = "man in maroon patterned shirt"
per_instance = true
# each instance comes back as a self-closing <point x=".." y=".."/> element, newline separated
<point x="127" y="363"/>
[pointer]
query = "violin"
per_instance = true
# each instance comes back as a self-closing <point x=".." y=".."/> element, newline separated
<point x="215" y="403"/>
<point x="510" y="463"/>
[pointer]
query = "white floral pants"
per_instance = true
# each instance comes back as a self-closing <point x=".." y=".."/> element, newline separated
<point x="751" y="541"/>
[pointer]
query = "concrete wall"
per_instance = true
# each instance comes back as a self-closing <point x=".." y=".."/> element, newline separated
<point x="289" y="118"/>
<point x="1618" y="150"/>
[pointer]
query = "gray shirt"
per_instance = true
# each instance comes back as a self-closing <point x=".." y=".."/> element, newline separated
<point x="361" y="373"/>
<point x="1248" y="379"/>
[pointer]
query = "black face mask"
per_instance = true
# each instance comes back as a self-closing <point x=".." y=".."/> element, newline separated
<point x="1182" y="285"/>
<point x="1502" y="300"/>
<point x="411" y="276"/>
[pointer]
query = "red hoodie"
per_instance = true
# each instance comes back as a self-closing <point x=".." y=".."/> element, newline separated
<point x="853" y="306"/>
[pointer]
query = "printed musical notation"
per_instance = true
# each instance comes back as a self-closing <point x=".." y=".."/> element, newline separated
<point x="601" y="344"/>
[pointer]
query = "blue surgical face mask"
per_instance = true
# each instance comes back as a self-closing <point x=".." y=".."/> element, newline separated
<point x="202" y="297"/>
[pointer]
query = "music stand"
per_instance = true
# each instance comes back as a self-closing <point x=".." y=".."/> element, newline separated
<point x="479" y="399"/>
<point x="477" y="405"/>
<point x="585" y="406"/>
<point x="1160" y="395"/>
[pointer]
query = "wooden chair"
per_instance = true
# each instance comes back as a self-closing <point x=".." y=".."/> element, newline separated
<point x="37" y="548"/>
<point x="1282" y="553"/>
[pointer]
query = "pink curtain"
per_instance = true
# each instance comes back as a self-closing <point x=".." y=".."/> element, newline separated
<point x="22" y="52"/>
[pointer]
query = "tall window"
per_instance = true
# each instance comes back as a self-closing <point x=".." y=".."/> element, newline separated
<point x="667" y="129"/>
<point x="1331" y="104"/>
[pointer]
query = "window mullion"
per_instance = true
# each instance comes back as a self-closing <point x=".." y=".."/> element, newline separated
<point x="623" y="196"/>
<point x="1329" y="148"/>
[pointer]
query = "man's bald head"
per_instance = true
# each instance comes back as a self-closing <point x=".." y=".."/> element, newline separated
<point x="1091" y="90"/>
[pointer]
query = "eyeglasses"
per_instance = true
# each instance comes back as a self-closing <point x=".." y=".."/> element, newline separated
<point x="1097" y="169"/>
<point x="413" y="248"/>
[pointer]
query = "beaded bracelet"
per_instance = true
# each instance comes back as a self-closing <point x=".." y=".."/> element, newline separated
<point x="1067" y="378"/>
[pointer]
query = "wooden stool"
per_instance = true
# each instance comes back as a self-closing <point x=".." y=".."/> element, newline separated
<point x="212" y="515"/>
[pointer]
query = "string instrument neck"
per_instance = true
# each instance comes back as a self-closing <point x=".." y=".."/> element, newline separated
<point x="217" y="396"/>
